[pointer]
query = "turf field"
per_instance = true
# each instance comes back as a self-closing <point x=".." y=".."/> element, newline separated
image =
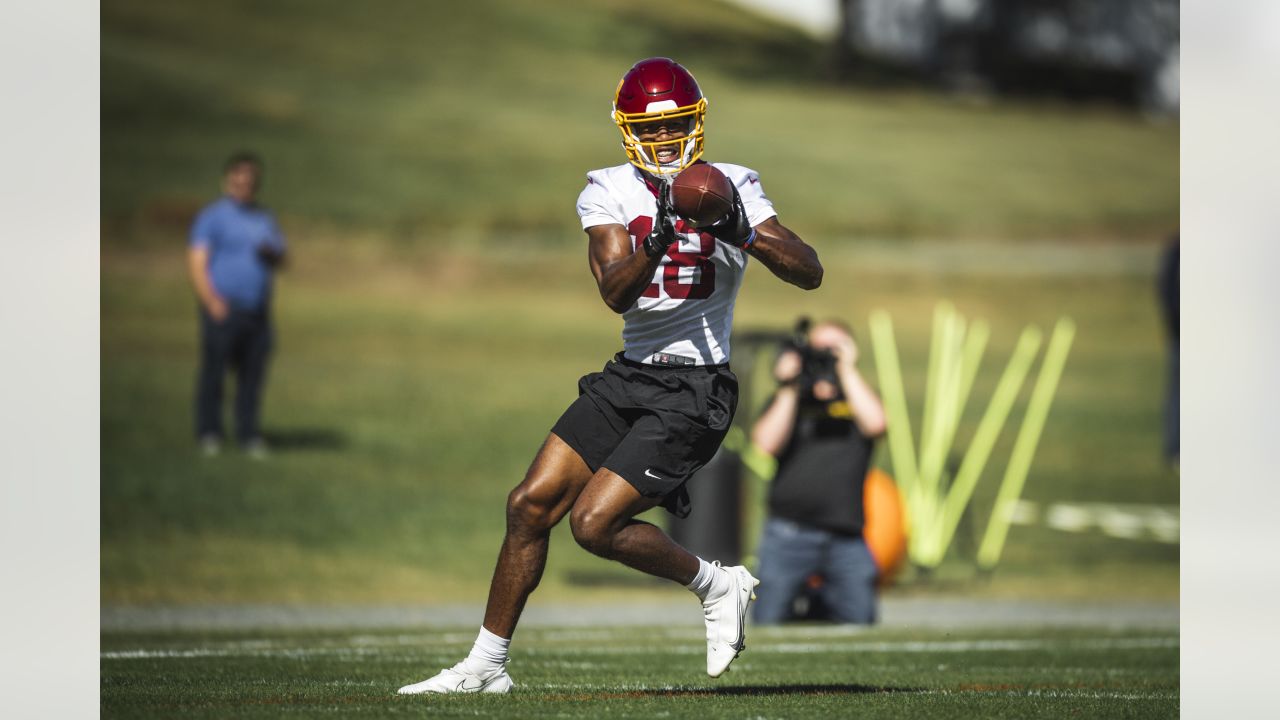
<point x="639" y="672"/>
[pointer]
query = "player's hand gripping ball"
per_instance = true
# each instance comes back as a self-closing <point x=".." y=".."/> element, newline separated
<point x="664" y="226"/>
<point x="702" y="194"/>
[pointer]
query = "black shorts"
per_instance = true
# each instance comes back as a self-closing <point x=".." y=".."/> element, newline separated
<point x="654" y="426"/>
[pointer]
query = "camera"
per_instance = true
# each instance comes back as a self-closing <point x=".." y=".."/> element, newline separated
<point x="815" y="364"/>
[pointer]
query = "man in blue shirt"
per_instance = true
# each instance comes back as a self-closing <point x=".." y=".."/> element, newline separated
<point x="234" y="247"/>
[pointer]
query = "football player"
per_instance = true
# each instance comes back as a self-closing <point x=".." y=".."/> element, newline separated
<point x="658" y="410"/>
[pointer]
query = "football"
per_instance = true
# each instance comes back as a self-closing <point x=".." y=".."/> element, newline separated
<point x="701" y="194"/>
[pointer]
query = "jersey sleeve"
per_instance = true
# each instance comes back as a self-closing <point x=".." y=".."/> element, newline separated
<point x="202" y="229"/>
<point x="597" y="206"/>
<point x="758" y="206"/>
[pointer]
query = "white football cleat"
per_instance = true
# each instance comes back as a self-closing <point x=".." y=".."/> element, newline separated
<point x="726" y="617"/>
<point x="462" y="679"/>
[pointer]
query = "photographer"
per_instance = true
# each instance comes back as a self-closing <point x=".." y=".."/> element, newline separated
<point x="820" y="425"/>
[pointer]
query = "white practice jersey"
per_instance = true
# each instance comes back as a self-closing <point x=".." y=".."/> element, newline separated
<point x="687" y="311"/>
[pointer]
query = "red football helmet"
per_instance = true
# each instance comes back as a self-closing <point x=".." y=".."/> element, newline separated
<point x="659" y="89"/>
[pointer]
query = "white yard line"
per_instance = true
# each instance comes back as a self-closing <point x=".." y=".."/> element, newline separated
<point x="675" y="616"/>
<point x="1127" y="521"/>
<point x="976" y="645"/>
<point x="255" y="648"/>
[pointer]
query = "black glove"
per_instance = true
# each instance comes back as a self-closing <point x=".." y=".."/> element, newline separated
<point x="269" y="255"/>
<point x="733" y="229"/>
<point x="664" y="225"/>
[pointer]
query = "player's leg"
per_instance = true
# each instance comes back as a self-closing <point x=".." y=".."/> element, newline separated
<point x="587" y="431"/>
<point x="789" y="554"/>
<point x="850" y="590"/>
<point x="554" y="480"/>
<point x="603" y="522"/>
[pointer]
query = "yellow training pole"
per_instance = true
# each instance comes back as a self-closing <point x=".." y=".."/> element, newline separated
<point x="975" y="343"/>
<point x="965" y="357"/>
<point x="1024" y="447"/>
<point x="895" y="404"/>
<point x="933" y="451"/>
<point x="970" y="359"/>
<point x="983" y="440"/>
<point x="942" y="314"/>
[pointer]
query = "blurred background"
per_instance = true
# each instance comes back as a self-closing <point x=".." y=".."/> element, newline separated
<point x="1017" y="159"/>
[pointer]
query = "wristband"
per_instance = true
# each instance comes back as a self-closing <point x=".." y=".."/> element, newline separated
<point x="751" y="240"/>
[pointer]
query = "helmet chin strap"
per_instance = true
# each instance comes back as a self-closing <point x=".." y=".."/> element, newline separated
<point x="665" y="178"/>
<point x="657" y="168"/>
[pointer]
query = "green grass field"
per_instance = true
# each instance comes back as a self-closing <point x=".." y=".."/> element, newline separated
<point x="794" y="672"/>
<point x="405" y="403"/>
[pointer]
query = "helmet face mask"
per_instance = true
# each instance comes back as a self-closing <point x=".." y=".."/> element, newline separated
<point x="657" y="92"/>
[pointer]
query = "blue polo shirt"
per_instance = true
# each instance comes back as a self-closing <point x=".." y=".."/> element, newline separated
<point x="232" y="233"/>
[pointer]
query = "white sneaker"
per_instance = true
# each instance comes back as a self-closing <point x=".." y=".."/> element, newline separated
<point x="726" y="617"/>
<point x="256" y="449"/>
<point x="210" y="445"/>
<point x="462" y="679"/>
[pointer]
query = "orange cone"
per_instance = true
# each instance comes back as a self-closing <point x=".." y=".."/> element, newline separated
<point x="885" y="530"/>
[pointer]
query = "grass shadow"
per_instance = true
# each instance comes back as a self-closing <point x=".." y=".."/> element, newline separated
<point x="740" y="691"/>
<point x="803" y="689"/>
<point x="305" y="438"/>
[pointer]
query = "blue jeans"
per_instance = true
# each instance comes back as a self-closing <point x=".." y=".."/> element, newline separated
<point x="242" y="342"/>
<point x="790" y="552"/>
<point x="1171" y="405"/>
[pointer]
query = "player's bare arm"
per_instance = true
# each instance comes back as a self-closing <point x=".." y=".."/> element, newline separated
<point x="620" y="273"/>
<point x="771" y="242"/>
<point x="786" y="255"/>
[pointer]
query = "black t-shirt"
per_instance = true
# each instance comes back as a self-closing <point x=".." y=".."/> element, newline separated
<point x="822" y="469"/>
